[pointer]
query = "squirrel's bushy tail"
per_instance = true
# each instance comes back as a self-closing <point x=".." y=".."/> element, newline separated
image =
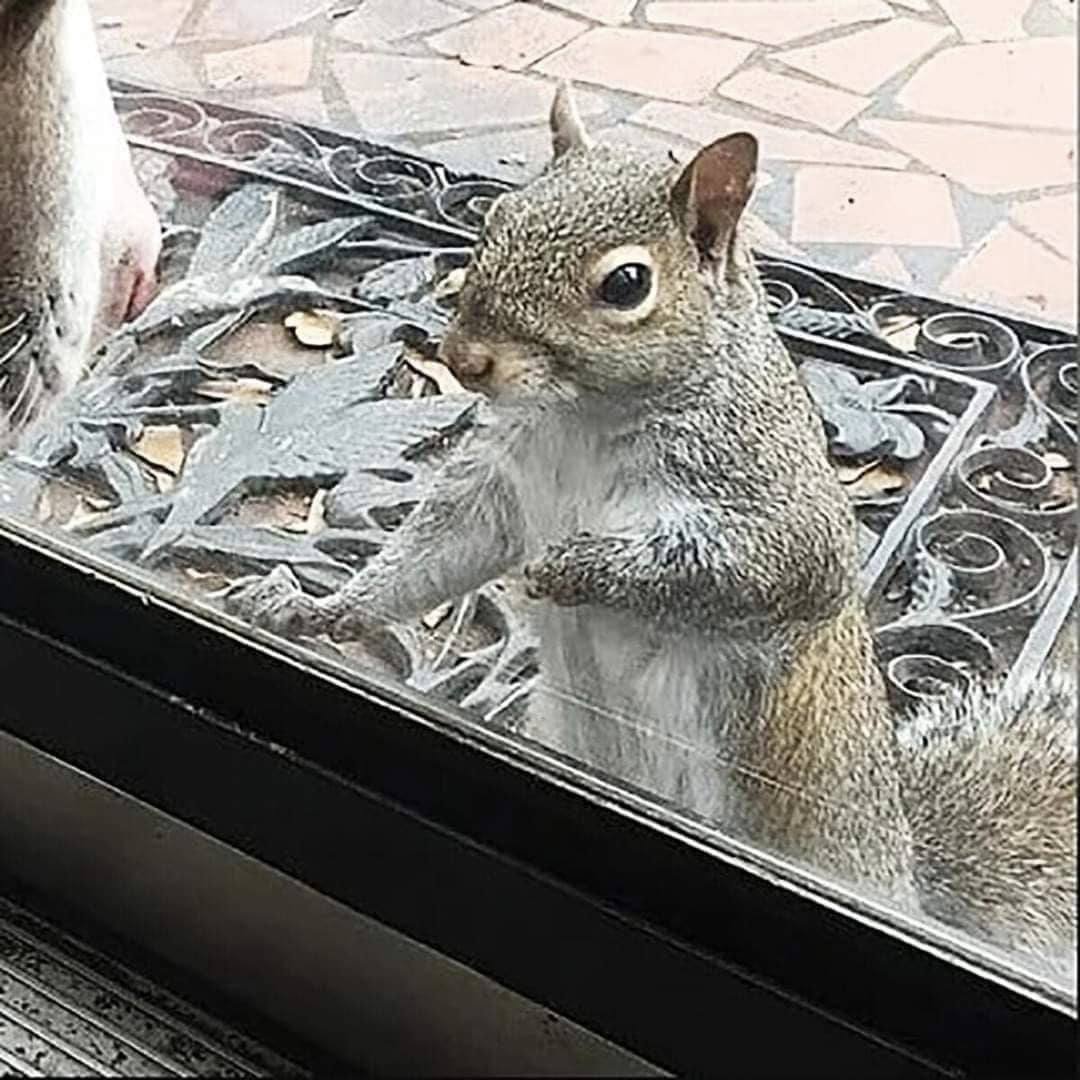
<point x="989" y="785"/>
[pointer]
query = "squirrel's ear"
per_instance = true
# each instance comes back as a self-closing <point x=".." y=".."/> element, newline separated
<point x="713" y="190"/>
<point x="567" y="130"/>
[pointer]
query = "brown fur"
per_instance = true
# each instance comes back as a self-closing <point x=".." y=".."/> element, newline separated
<point x="664" y="479"/>
<point x="834" y="751"/>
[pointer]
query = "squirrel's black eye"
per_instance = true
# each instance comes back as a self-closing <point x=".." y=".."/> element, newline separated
<point x="627" y="286"/>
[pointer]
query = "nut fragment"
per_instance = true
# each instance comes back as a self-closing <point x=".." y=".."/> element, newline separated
<point x="450" y="285"/>
<point x="436" y="371"/>
<point x="162" y="446"/>
<point x="316" y="329"/>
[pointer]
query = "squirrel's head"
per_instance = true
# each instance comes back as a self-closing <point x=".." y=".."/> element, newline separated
<point x="609" y="271"/>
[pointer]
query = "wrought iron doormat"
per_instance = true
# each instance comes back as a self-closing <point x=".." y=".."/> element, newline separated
<point x="276" y="403"/>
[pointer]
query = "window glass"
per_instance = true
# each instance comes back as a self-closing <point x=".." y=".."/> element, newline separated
<point x="573" y="488"/>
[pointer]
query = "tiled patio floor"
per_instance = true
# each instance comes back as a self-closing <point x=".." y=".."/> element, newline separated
<point x="930" y="142"/>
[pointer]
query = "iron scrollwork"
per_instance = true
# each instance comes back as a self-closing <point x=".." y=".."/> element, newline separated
<point x="213" y="441"/>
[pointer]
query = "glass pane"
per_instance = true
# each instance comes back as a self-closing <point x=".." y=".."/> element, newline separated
<point x="536" y="486"/>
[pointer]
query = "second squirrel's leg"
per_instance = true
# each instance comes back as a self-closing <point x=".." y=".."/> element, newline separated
<point x="467" y="531"/>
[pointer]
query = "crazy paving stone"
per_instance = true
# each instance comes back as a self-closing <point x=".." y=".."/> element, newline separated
<point x="1052" y="219"/>
<point x="127" y="26"/>
<point x="511" y="37"/>
<point x="836" y="205"/>
<point x="796" y="98"/>
<point x="281" y="62"/>
<point x="776" y="143"/>
<point x="379" y="21"/>
<point x="611" y="12"/>
<point x="397" y="95"/>
<point x="163" y="69"/>
<point x="985" y="160"/>
<point x="1028" y="83"/>
<point x="1010" y="270"/>
<point x="987" y="20"/>
<point x="249" y="22"/>
<point x="678" y="67"/>
<point x="514" y="156"/>
<point x="305" y="106"/>
<point x="863" y="60"/>
<point x="766" y="20"/>
<point x="885" y="265"/>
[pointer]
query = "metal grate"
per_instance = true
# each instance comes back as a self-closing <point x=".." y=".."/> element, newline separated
<point x="954" y="430"/>
<point x="66" y="1010"/>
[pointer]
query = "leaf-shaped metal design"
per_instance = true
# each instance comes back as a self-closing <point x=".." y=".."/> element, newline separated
<point x="270" y="219"/>
<point x="865" y="419"/>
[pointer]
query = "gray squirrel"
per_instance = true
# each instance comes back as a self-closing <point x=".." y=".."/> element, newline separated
<point x="657" y="474"/>
<point x="79" y="240"/>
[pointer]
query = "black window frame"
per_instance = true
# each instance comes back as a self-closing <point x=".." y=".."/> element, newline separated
<point x="261" y="750"/>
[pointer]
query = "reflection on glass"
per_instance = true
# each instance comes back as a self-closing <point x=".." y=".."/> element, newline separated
<point x="579" y="489"/>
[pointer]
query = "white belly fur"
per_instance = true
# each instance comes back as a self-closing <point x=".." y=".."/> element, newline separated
<point x="96" y="146"/>
<point x="615" y="693"/>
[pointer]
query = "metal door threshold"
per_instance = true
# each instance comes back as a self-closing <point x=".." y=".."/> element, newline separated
<point x="68" y="1010"/>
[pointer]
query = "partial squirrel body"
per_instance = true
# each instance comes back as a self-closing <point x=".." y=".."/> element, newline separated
<point x="654" y="468"/>
<point x="989" y="785"/>
<point x="77" y="237"/>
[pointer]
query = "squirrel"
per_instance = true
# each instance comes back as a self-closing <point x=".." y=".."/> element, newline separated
<point x="657" y="473"/>
<point x="79" y="240"/>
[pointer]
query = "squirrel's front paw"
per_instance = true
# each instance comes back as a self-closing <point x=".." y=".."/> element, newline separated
<point x="559" y="575"/>
<point x="276" y="602"/>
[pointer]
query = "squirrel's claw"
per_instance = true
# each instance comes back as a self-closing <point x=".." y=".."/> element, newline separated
<point x="533" y="578"/>
<point x="277" y="603"/>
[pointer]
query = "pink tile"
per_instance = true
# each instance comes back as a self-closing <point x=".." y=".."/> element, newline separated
<point x="511" y="37"/>
<point x="770" y="22"/>
<point x="836" y="205"/>
<point x="657" y="143"/>
<point x="986" y="160"/>
<point x="376" y="22"/>
<point x="397" y="95"/>
<point x="1028" y="83"/>
<point x="701" y="126"/>
<point x="281" y="62"/>
<point x="987" y="20"/>
<point x="761" y="236"/>
<point x="127" y="26"/>
<point x="163" y="69"/>
<point x="515" y="156"/>
<point x="1010" y="270"/>
<point x="797" y="98"/>
<point x="1052" y="220"/>
<point x="885" y="265"/>
<point x="611" y="12"/>
<point x="305" y="106"/>
<point x="678" y="67"/>
<point x="254" y="21"/>
<point x="865" y="59"/>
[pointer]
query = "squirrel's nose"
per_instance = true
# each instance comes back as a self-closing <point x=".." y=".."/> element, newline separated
<point x="466" y="359"/>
